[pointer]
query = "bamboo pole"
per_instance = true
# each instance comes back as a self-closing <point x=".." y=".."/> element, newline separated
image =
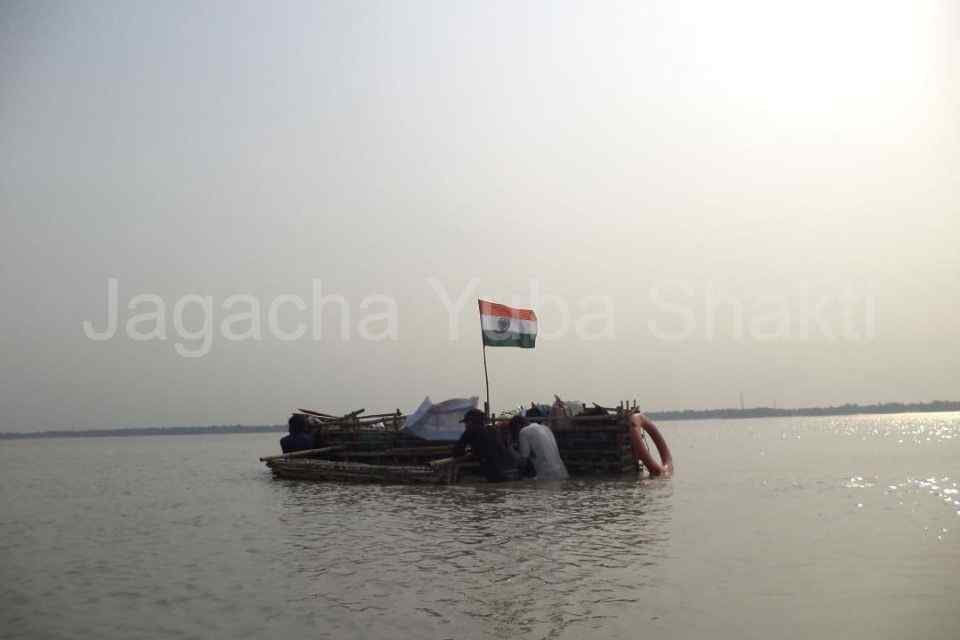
<point x="445" y="461"/>
<point x="486" y="377"/>
<point x="390" y="453"/>
<point x="305" y="453"/>
<point x="316" y="413"/>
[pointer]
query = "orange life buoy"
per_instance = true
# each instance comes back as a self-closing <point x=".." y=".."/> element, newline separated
<point x="638" y="424"/>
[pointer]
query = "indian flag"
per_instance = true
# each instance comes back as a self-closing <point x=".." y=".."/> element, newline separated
<point x="504" y="326"/>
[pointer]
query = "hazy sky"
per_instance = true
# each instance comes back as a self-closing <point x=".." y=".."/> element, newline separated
<point x="669" y="167"/>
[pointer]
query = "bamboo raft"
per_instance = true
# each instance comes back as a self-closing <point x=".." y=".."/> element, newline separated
<point x="373" y="448"/>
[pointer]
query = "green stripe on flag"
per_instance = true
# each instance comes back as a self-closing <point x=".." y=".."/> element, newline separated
<point x="509" y="339"/>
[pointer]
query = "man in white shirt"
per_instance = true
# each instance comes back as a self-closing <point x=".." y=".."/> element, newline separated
<point x="538" y="445"/>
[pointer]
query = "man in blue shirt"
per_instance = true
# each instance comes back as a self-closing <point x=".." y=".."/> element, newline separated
<point x="496" y="463"/>
<point x="299" y="437"/>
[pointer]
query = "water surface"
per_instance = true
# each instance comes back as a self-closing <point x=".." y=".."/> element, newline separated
<point x="835" y="527"/>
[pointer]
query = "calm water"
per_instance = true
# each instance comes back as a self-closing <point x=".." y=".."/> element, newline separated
<point x="828" y="527"/>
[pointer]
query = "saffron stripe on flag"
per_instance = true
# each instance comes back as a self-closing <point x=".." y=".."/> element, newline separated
<point x="494" y="309"/>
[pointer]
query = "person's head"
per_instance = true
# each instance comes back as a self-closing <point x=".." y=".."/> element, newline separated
<point x="297" y="423"/>
<point x="517" y="423"/>
<point x="473" y="419"/>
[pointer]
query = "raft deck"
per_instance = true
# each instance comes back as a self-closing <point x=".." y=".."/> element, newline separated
<point x="374" y="448"/>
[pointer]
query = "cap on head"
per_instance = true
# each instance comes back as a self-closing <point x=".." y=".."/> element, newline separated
<point x="518" y="422"/>
<point x="298" y="423"/>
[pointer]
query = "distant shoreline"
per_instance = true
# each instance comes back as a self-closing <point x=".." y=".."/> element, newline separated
<point x="133" y="432"/>
<point x="937" y="406"/>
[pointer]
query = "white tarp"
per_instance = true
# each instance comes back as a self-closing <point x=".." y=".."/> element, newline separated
<point x="439" y="421"/>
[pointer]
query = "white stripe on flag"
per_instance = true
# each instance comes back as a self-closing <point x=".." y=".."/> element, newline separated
<point x="492" y="323"/>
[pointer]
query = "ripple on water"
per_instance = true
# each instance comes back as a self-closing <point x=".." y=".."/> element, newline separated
<point x="168" y="537"/>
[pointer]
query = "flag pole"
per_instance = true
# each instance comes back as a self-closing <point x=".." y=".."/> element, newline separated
<point x="486" y="376"/>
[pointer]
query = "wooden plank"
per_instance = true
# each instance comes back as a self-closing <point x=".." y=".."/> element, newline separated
<point x="445" y="461"/>
<point x="305" y="453"/>
<point x="399" y="451"/>
<point x="389" y="420"/>
<point x="387" y="453"/>
<point x="381" y="415"/>
<point x="332" y="469"/>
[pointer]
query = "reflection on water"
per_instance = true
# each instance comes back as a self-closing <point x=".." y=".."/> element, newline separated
<point x="513" y="560"/>
<point x="909" y="428"/>
<point x="788" y="528"/>
<point x="926" y="437"/>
